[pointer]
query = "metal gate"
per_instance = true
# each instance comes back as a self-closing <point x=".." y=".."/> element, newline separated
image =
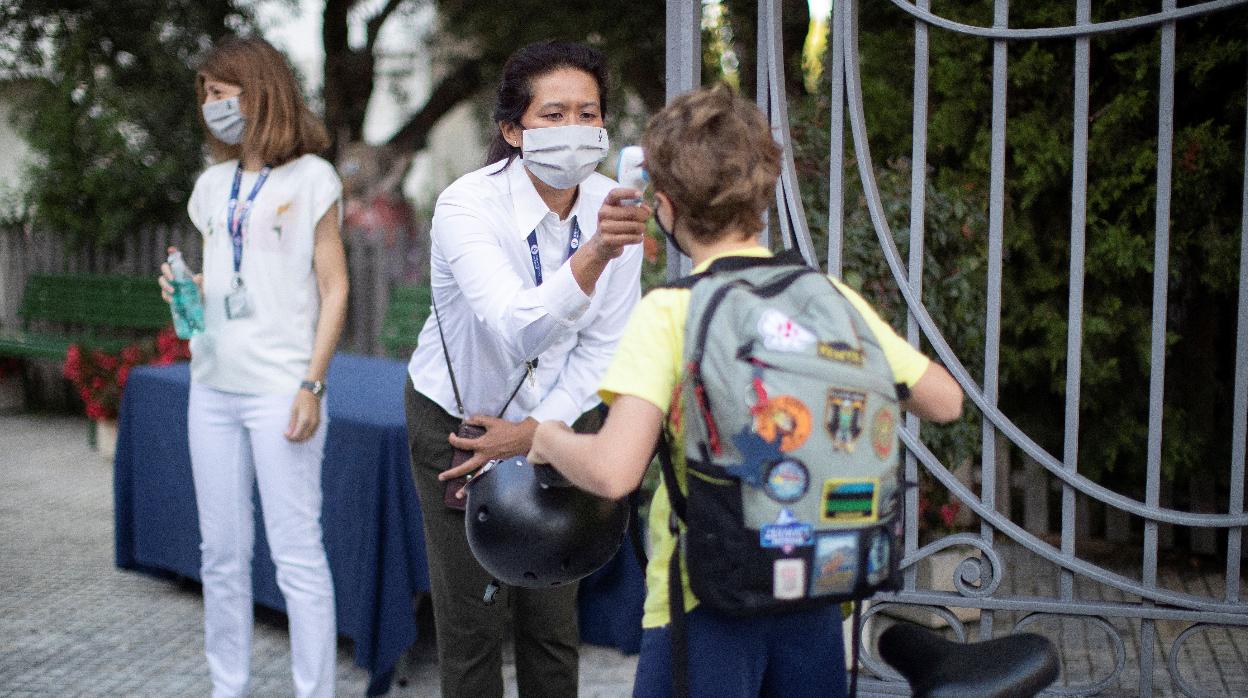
<point x="1133" y="606"/>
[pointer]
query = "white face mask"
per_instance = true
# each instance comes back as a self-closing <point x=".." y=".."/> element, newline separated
<point x="225" y="120"/>
<point x="564" y="156"/>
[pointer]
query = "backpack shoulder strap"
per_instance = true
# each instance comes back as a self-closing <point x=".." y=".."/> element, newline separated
<point x="787" y="258"/>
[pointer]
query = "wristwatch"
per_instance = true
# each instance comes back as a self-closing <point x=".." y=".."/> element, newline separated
<point x="317" y="388"/>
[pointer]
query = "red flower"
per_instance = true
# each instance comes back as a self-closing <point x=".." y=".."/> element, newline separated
<point x="108" y="362"/>
<point x="949" y="512"/>
<point x="938" y="510"/>
<point x="100" y="377"/>
<point x="132" y="354"/>
<point x="170" y="348"/>
<point x="73" y="363"/>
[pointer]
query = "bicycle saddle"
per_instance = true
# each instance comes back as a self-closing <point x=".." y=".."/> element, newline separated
<point x="1016" y="665"/>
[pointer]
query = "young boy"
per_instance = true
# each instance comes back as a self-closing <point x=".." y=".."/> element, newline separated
<point x="713" y="166"/>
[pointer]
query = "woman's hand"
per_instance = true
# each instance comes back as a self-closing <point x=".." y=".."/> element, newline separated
<point x="305" y="416"/>
<point x="502" y="439"/>
<point x="166" y="280"/>
<point x="619" y="224"/>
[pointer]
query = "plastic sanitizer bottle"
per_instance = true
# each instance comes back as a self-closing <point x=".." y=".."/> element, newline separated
<point x="187" y="307"/>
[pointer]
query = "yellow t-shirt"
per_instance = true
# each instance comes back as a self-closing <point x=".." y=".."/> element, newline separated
<point x="647" y="365"/>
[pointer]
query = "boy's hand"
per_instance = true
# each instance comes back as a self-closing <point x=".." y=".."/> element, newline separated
<point x="541" y="439"/>
<point x="619" y="224"/>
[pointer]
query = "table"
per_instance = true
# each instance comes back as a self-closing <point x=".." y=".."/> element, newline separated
<point x="371" y="517"/>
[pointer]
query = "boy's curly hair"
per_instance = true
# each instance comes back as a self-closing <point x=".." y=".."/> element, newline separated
<point x="712" y="153"/>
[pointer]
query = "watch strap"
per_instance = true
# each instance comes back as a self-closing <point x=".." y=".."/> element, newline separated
<point x="317" y="388"/>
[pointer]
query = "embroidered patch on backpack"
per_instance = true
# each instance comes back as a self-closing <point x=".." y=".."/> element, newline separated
<point x="780" y="333"/>
<point x="835" y="564"/>
<point x="843" y="417"/>
<point x="878" y="557"/>
<point x="850" y="501"/>
<point x="786" y="533"/>
<point x="788" y="578"/>
<point x="786" y="480"/>
<point x="840" y="351"/>
<point x="883" y="433"/>
<point x="783" y="419"/>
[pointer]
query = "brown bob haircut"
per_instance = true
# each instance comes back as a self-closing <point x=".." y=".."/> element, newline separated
<point x="711" y="152"/>
<point x="280" y="127"/>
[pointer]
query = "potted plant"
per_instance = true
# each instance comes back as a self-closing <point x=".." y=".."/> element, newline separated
<point x="100" y="378"/>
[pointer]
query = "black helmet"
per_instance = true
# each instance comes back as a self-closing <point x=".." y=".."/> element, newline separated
<point x="530" y="527"/>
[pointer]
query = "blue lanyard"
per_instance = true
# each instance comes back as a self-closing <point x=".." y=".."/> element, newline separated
<point x="236" y="226"/>
<point x="573" y="243"/>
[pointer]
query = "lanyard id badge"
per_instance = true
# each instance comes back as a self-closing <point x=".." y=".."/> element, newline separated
<point x="236" y="303"/>
<point x="574" y="243"/>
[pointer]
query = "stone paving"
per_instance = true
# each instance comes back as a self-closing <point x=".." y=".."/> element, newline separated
<point x="72" y="624"/>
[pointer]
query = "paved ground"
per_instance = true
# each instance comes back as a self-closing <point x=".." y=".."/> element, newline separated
<point x="72" y="624"/>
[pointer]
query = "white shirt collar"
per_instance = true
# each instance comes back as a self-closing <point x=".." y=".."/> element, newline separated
<point x="527" y="206"/>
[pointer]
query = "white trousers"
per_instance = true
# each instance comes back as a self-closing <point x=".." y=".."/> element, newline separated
<point x="237" y="440"/>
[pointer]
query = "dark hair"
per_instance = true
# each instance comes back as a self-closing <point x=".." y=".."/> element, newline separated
<point x="280" y="127"/>
<point x="515" y="90"/>
<point x="713" y="154"/>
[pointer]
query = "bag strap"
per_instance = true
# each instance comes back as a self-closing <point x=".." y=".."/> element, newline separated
<point x="675" y="589"/>
<point x="676" y="609"/>
<point x="674" y="495"/>
<point x="856" y="638"/>
<point x="787" y="258"/>
<point x="459" y="403"/>
<point x="634" y="530"/>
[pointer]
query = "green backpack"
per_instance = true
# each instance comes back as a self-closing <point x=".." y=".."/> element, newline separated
<point x="789" y="417"/>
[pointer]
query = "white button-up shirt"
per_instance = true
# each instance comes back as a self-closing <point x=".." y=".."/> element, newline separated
<point x="496" y="318"/>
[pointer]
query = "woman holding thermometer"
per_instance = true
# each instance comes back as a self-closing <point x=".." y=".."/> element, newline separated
<point x="534" y="266"/>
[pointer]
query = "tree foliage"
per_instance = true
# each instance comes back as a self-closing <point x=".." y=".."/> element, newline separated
<point x="111" y="111"/>
<point x="472" y="40"/>
<point x="112" y="117"/>
<point x="1204" y="223"/>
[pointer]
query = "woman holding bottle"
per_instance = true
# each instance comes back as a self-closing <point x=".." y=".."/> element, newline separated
<point x="274" y="290"/>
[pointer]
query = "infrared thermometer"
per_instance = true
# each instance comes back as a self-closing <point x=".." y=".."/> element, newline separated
<point x="631" y="172"/>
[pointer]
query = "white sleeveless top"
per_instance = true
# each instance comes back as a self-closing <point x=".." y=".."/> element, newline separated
<point x="268" y="351"/>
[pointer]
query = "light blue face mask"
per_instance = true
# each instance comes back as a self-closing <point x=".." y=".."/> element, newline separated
<point x="225" y="120"/>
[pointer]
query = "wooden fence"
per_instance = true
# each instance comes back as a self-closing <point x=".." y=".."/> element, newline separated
<point x="376" y="263"/>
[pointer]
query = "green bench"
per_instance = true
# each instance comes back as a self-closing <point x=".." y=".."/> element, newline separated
<point x="405" y="316"/>
<point x="105" y="311"/>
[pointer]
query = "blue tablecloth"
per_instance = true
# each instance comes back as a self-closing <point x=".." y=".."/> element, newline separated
<point x="371" y="517"/>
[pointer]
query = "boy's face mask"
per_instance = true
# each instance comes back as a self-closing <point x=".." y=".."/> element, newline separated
<point x="225" y="120"/>
<point x="563" y="156"/>
<point x="669" y="234"/>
